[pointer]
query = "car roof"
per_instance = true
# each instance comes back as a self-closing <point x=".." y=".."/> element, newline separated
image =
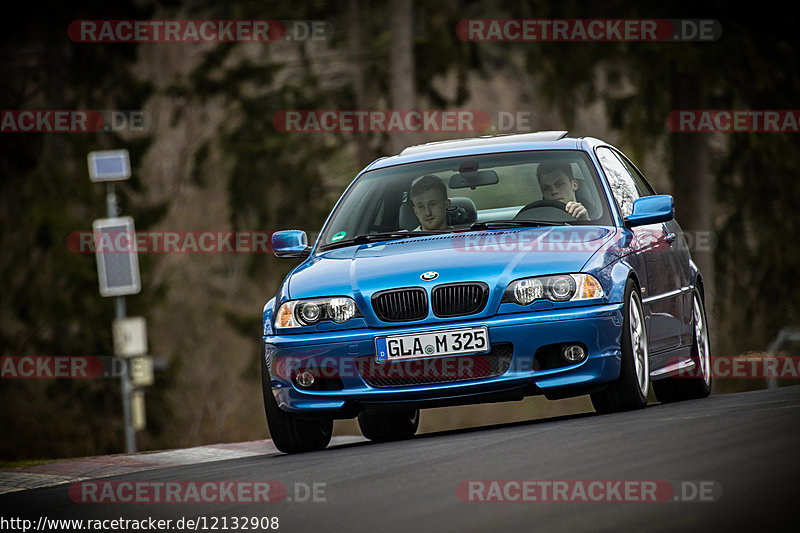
<point x="541" y="140"/>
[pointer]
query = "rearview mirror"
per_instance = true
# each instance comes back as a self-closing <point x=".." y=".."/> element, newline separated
<point x="651" y="210"/>
<point x="290" y="243"/>
<point x="473" y="179"/>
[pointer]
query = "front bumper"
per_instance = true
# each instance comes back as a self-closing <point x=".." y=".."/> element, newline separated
<point x="342" y="354"/>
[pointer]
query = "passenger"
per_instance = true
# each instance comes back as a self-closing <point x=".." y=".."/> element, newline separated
<point x="430" y="202"/>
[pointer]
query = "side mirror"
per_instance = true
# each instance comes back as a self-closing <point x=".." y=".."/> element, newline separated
<point x="290" y="243"/>
<point x="651" y="210"/>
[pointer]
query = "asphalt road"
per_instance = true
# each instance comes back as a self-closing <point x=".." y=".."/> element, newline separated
<point x="746" y="446"/>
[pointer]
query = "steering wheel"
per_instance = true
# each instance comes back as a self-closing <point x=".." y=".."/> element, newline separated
<point x="553" y="209"/>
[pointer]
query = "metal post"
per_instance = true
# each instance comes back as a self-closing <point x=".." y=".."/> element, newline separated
<point x="119" y="304"/>
<point x="127" y="389"/>
<point x="772" y="381"/>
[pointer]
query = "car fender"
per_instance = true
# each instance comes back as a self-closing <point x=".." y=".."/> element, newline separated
<point x="696" y="278"/>
<point x="268" y="313"/>
<point x="616" y="276"/>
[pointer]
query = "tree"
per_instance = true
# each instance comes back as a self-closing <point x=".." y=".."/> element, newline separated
<point x="402" y="66"/>
<point x="50" y="301"/>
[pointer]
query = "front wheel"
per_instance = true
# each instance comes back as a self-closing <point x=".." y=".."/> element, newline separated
<point x="629" y="391"/>
<point x="388" y="426"/>
<point x="289" y="433"/>
<point x="680" y="388"/>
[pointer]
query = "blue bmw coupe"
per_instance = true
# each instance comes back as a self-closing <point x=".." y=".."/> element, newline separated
<point x="483" y="270"/>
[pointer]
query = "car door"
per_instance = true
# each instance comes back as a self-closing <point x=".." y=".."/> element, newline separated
<point x="677" y="246"/>
<point x="661" y="296"/>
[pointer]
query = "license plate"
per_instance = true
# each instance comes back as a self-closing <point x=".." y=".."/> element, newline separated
<point x="435" y="343"/>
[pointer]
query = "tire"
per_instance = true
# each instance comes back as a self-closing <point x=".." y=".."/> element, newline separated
<point x="676" y="389"/>
<point x="629" y="391"/>
<point x="290" y="433"/>
<point x="392" y="425"/>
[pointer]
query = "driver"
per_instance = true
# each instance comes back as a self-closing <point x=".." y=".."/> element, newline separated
<point x="557" y="183"/>
<point x="430" y="202"/>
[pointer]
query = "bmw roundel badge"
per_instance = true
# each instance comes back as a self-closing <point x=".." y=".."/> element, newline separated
<point x="429" y="276"/>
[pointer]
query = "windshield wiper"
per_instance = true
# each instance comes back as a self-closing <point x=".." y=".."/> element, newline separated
<point x="489" y="224"/>
<point x="386" y="235"/>
<point x="378" y="237"/>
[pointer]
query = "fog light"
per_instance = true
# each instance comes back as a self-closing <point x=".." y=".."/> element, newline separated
<point x="573" y="353"/>
<point x="305" y="379"/>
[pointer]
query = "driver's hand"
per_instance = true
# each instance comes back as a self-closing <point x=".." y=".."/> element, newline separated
<point x="577" y="211"/>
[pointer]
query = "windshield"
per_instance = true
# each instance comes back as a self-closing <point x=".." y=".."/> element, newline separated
<point x="556" y="187"/>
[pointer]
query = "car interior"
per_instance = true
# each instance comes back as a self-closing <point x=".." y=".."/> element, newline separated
<point x="499" y="199"/>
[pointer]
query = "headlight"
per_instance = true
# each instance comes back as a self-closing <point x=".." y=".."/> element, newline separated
<point x="299" y="313"/>
<point x="309" y="312"/>
<point x="341" y="309"/>
<point x="561" y="288"/>
<point x="527" y="290"/>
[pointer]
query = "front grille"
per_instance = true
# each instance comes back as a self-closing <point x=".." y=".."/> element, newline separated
<point x="400" y="305"/>
<point x="459" y="299"/>
<point x="435" y="370"/>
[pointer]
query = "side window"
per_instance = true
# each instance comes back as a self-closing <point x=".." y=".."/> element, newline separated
<point x="642" y="186"/>
<point x="621" y="182"/>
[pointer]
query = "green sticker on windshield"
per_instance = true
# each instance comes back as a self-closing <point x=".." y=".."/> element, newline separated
<point x="339" y="236"/>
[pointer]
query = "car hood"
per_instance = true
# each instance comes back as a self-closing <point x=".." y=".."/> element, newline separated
<point x="493" y="257"/>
